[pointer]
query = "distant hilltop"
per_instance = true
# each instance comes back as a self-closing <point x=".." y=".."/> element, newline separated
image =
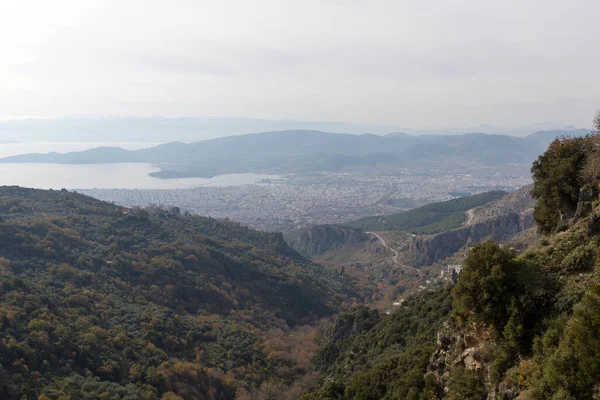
<point x="309" y="151"/>
<point x="159" y="129"/>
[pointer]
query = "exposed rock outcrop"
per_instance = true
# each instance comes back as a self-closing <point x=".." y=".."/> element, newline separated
<point x="462" y="347"/>
<point x="323" y="238"/>
<point x="517" y="202"/>
<point x="499" y="221"/>
<point x="426" y="250"/>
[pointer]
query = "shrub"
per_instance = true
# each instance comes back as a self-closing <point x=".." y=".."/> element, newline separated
<point x="556" y="185"/>
<point x="486" y="280"/>
<point x="465" y="384"/>
<point x="581" y="258"/>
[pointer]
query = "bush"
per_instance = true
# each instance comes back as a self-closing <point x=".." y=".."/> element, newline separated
<point x="567" y="355"/>
<point x="465" y="384"/>
<point x="485" y="283"/>
<point x="556" y="176"/>
<point x="581" y="258"/>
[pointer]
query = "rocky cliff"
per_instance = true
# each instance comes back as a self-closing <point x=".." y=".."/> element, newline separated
<point x="498" y="221"/>
<point x="323" y="238"/>
<point x="518" y="202"/>
<point x="426" y="250"/>
<point x="467" y="350"/>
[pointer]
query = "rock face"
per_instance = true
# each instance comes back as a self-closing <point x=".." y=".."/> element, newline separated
<point x="426" y="250"/>
<point x="323" y="238"/>
<point x="460" y="347"/>
<point x="498" y="221"/>
<point x="517" y="202"/>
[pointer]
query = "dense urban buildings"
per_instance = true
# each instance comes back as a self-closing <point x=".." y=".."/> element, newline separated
<point x="324" y="198"/>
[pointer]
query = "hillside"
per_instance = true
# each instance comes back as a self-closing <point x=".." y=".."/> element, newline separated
<point x="366" y="355"/>
<point x="103" y="302"/>
<point x="517" y="202"/>
<point x="514" y="326"/>
<point x="321" y="239"/>
<point x="420" y="259"/>
<point x="502" y="220"/>
<point x="432" y="218"/>
<point x="99" y="301"/>
<point x="306" y="151"/>
<point x="453" y="224"/>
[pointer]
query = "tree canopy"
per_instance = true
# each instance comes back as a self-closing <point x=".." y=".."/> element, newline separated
<point x="103" y="302"/>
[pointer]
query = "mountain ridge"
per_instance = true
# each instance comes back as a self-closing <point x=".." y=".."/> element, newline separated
<point x="152" y="129"/>
<point x="303" y="151"/>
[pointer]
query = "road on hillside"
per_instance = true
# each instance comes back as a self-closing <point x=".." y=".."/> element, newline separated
<point x="395" y="256"/>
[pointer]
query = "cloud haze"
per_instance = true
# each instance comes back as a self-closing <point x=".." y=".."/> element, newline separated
<point x="420" y="64"/>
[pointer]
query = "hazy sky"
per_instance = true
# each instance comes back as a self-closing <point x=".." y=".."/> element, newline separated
<point x="418" y="64"/>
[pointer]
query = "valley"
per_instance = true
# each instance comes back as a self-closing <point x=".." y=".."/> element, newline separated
<point x="299" y="200"/>
<point x="102" y="301"/>
<point x="519" y="319"/>
<point x="203" y="308"/>
<point x="407" y="255"/>
<point x="128" y="280"/>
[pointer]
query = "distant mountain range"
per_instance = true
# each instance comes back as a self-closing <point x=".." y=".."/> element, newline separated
<point x="159" y="129"/>
<point x="302" y="151"/>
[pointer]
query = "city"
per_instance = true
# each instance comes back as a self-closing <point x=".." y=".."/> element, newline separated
<point x="326" y="198"/>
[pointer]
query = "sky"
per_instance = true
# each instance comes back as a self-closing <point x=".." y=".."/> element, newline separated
<point x="427" y="64"/>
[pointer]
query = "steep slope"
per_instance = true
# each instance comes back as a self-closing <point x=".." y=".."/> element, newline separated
<point x="403" y="263"/>
<point x="98" y="301"/>
<point x="455" y="224"/>
<point x="432" y="218"/>
<point x="320" y="239"/>
<point x="366" y="355"/>
<point x="517" y="202"/>
<point x="499" y="220"/>
<point x="520" y="325"/>
<point x="529" y="331"/>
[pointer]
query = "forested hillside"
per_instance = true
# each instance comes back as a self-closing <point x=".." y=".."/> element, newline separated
<point x="366" y="355"/>
<point x="103" y="302"/>
<point x="432" y="218"/>
<point x="515" y="326"/>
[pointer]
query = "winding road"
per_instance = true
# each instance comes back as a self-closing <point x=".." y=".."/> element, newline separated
<point x="395" y="256"/>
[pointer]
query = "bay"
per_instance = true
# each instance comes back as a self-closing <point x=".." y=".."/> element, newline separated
<point x="109" y="176"/>
<point x="99" y="176"/>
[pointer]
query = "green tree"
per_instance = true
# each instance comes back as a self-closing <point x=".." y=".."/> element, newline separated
<point x="465" y="384"/>
<point x="556" y="176"/>
<point x="570" y="366"/>
<point x="485" y="282"/>
<point x="591" y="170"/>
